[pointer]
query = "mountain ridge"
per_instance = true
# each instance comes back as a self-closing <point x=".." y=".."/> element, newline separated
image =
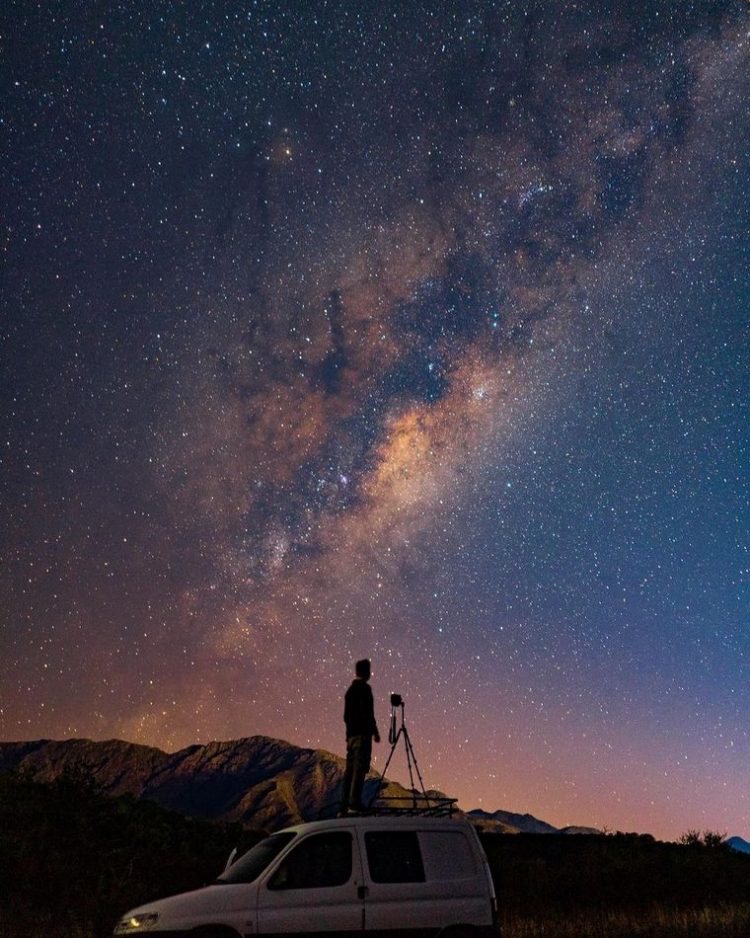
<point x="739" y="844"/>
<point x="258" y="781"/>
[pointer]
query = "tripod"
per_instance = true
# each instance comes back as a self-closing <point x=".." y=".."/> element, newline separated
<point x="397" y="732"/>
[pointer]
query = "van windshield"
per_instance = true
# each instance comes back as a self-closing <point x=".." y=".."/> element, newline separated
<point x="251" y="864"/>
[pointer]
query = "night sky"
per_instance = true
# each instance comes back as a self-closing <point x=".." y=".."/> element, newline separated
<point x="409" y="331"/>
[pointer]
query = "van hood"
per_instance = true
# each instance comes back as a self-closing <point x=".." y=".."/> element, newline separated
<point x="195" y="907"/>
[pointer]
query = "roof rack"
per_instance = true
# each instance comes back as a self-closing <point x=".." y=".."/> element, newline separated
<point x="419" y="805"/>
<point x="416" y="805"/>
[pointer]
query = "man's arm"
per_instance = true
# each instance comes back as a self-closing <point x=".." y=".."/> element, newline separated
<point x="371" y="715"/>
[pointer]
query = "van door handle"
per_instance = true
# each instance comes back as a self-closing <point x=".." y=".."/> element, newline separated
<point x="361" y="892"/>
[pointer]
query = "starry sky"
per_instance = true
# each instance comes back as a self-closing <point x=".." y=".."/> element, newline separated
<point x="409" y="331"/>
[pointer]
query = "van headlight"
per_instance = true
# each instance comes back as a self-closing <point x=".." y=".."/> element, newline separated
<point x="133" y="924"/>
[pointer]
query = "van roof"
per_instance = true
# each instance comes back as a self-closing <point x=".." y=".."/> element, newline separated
<point x="389" y="822"/>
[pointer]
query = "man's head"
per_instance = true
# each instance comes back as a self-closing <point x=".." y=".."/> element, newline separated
<point x="362" y="669"/>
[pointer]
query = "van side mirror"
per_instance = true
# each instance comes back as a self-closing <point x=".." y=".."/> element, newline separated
<point x="230" y="860"/>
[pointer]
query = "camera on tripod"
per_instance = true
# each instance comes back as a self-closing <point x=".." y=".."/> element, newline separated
<point x="421" y="802"/>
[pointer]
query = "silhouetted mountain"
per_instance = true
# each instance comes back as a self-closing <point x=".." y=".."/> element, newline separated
<point x="508" y="822"/>
<point x="737" y="843"/>
<point x="259" y="782"/>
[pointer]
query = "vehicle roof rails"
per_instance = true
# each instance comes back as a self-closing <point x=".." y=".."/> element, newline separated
<point x="395" y="806"/>
<point x="421" y="805"/>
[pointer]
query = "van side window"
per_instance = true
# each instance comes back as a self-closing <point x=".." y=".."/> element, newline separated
<point x="447" y="855"/>
<point x="394" y="857"/>
<point x="318" y="861"/>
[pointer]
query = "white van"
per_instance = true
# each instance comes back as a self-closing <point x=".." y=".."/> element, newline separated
<point x="379" y="875"/>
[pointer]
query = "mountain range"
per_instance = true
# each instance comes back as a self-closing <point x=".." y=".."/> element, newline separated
<point x="737" y="843"/>
<point x="262" y="783"/>
<point x="506" y="822"/>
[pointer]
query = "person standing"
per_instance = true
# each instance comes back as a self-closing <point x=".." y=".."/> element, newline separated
<point x="361" y="730"/>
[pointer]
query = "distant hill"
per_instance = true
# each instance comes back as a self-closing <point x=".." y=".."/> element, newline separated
<point x="259" y="782"/>
<point x="737" y="843"/>
<point x="507" y="822"/>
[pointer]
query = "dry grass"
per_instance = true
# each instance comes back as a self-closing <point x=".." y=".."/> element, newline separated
<point x="714" y="922"/>
<point x="44" y="930"/>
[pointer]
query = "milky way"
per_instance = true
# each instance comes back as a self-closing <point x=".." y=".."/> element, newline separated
<point x="346" y="329"/>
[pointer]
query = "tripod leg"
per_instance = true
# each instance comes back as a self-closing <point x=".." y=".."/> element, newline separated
<point x="411" y="756"/>
<point x="381" y="783"/>
<point x="407" y="746"/>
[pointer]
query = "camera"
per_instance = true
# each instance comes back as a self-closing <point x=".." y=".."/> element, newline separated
<point x="397" y="700"/>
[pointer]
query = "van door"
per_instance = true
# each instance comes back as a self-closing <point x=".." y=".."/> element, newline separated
<point x="395" y="879"/>
<point x="316" y="887"/>
<point x="422" y="879"/>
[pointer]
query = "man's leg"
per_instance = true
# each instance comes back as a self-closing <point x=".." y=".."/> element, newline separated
<point x="346" y="785"/>
<point x="362" y="755"/>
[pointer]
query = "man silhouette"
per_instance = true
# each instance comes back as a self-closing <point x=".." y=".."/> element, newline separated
<point x="361" y="730"/>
